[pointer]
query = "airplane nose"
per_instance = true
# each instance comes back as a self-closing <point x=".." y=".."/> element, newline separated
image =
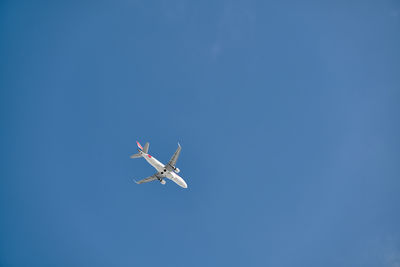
<point x="184" y="185"/>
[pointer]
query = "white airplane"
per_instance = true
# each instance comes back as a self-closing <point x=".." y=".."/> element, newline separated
<point x="163" y="171"/>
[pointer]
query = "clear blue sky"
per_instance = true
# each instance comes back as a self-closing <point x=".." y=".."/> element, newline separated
<point x="287" y="112"/>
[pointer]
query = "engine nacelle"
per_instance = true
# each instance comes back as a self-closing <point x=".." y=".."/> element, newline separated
<point x="163" y="182"/>
<point x="177" y="170"/>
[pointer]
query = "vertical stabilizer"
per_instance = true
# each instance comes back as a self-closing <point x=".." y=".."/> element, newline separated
<point x="141" y="149"/>
<point x="139" y="145"/>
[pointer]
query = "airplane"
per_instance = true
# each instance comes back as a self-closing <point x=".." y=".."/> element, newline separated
<point x="163" y="171"/>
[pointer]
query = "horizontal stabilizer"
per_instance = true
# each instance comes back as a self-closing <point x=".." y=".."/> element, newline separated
<point x="146" y="148"/>
<point x="137" y="155"/>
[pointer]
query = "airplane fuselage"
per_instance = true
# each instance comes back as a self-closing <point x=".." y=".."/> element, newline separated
<point x="161" y="168"/>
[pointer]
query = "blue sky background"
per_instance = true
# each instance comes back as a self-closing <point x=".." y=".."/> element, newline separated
<point x="287" y="112"/>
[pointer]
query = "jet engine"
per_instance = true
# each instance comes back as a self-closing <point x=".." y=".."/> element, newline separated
<point x="163" y="182"/>
<point x="177" y="170"/>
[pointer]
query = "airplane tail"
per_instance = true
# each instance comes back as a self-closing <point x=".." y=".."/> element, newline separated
<point x="144" y="149"/>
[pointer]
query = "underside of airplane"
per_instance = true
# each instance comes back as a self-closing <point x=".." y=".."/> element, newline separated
<point x="169" y="170"/>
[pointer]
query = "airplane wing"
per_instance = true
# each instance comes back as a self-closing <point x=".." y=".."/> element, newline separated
<point x="148" y="179"/>
<point x="175" y="157"/>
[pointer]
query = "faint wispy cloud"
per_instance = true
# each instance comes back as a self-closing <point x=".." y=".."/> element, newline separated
<point x="394" y="13"/>
<point x="174" y="10"/>
<point x="392" y="256"/>
<point x="235" y="24"/>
